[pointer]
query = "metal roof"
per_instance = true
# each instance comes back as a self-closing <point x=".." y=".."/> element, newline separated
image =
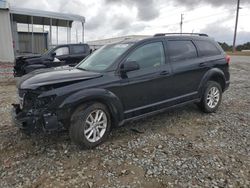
<point x="4" y="4"/>
<point x="41" y="17"/>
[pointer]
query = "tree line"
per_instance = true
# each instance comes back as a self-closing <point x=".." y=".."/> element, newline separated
<point x="241" y="47"/>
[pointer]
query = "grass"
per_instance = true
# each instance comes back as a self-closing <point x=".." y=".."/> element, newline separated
<point x="239" y="53"/>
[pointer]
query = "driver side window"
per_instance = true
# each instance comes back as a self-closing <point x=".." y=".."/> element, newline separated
<point x="62" y="51"/>
<point x="148" y="55"/>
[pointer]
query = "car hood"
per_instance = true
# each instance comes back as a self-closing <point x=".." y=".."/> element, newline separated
<point x="31" y="56"/>
<point x="54" y="76"/>
<point x="28" y="58"/>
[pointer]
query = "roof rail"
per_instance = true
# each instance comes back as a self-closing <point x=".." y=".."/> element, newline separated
<point x="164" y="34"/>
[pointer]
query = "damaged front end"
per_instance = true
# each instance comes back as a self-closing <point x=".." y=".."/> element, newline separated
<point x="35" y="113"/>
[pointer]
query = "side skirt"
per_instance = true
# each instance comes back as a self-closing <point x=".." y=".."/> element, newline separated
<point x="157" y="111"/>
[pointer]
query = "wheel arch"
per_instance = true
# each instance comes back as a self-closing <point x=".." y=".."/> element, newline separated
<point x="89" y="96"/>
<point x="216" y="75"/>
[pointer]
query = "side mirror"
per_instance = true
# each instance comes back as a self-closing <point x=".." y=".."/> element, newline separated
<point x="53" y="54"/>
<point x="129" y="66"/>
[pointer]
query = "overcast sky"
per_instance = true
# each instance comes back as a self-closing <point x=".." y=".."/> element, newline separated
<point x="112" y="18"/>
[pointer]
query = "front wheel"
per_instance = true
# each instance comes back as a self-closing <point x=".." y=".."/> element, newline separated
<point x="90" y="125"/>
<point x="211" y="98"/>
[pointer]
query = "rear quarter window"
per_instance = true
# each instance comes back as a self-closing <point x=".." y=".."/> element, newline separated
<point x="77" y="49"/>
<point x="207" y="48"/>
<point x="181" y="50"/>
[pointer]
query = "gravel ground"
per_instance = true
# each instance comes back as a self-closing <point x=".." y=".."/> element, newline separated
<point x="179" y="148"/>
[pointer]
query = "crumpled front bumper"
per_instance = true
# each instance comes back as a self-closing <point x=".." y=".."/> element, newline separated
<point x="33" y="120"/>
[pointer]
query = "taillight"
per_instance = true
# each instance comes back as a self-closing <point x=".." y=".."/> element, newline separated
<point x="228" y="58"/>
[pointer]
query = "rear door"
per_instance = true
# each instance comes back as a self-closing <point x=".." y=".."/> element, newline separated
<point x="210" y="55"/>
<point x="77" y="53"/>
<point x="187" y="69"/>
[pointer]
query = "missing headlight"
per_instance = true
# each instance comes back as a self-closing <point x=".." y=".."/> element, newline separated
<point x="44" y="101"/>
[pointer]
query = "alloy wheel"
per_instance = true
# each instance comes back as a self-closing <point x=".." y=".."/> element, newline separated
<point x="95" y="125"/>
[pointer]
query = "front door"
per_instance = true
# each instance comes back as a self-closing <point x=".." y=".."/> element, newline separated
<point x="141" y="90"/>
<point x="62" y="54"/>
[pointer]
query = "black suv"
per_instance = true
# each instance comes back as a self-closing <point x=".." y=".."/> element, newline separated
<point x="67" y="54"/>
<point x="121" y="82"/>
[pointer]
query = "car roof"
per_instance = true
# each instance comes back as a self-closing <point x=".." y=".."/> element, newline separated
<point x="71" y="44"/>
<point x="182" y="37"/>
<point x="168" y="37"/>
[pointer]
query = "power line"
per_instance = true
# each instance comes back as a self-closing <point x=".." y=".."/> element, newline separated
<point x="205" y="17"/>
<point x="191" y="20"/>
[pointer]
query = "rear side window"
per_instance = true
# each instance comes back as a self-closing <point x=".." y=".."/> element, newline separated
<point x="207" y="48"/>
<point x="181" y="50"/>
<point x="77" y="49"/>
<point x="62" y="51"/>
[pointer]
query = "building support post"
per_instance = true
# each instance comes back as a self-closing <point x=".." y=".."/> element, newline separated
<point x="57" y="34"/>
<point x="76" y="35"/>
<point x="44" y="41"/>
<point x="67" y="32"/>
<point x="82" y="32"/>
<point x="50" y="33"/>
<point x="32" y="36"/>
<point x="13" y="35"/>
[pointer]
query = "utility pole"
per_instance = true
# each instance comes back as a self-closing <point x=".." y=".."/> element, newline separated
<point x="181" y="23"/>
<point x="236" y="25"/>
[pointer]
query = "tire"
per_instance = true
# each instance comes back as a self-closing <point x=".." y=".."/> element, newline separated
<point x="84" y="122"/>
<point x="211" y="97"/>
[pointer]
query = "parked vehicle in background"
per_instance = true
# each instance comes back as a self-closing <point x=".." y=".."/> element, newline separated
<point x="68" y="54"/>
<point x="121" y="82"/>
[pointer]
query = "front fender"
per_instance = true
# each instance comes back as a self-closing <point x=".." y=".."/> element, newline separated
<point x="96" y="94"/>
<point x="209" y="75"/>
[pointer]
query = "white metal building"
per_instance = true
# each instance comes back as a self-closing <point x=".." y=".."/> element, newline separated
<point x="10" y="17"/>
<point x="6" y="41"/>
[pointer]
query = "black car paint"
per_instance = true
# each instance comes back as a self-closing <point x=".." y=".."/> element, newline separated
<point x="127" y="97"/>
<point x="26" y="64"/>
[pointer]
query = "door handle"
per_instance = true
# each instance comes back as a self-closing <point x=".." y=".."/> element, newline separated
<point x="202" y="64"/>
<point x="164" y="73"/>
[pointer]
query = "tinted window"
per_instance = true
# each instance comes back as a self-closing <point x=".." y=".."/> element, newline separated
<point x="78" y="49"/>
<point x="207" y="48"/>
<point x="149" y="55"/>
<point x="62" y="51"/>
<point x="181" y="50"/>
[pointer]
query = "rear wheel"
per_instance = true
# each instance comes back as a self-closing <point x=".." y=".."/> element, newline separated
<point x="90" y="125"/>
<point x="211" y="98"/>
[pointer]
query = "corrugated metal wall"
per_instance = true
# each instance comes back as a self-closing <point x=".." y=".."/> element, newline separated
<point x="6" y="45"/>
<point x="40" y="42"/>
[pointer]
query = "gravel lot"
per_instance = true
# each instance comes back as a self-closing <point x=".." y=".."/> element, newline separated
<point x="179" y="148"/>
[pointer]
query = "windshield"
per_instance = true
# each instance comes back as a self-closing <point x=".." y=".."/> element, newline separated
<point x="103" y="57"/>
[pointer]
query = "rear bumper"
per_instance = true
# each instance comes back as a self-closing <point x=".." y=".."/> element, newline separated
<point x="36" y="120"/>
